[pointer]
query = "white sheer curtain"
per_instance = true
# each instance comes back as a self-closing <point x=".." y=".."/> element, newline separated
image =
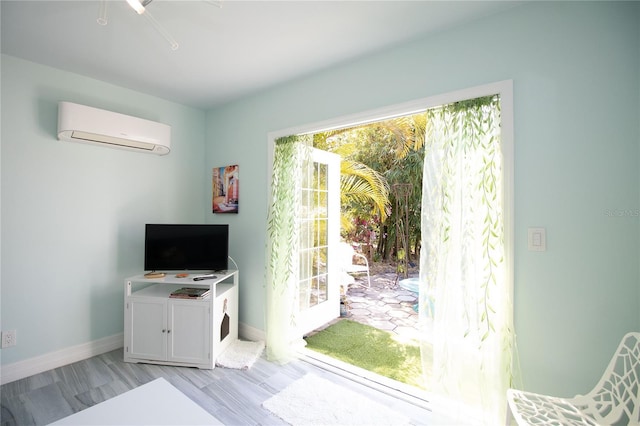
<point x="283" y="245"/>
<point x="465" y="307"/>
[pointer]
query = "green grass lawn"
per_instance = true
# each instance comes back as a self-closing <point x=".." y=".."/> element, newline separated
<point x="372" y="349"/>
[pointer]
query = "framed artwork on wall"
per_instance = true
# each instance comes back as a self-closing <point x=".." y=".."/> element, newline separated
<point x="226" y="186"/>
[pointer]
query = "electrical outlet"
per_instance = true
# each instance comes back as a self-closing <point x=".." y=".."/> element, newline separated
<point x="8" y="338"/>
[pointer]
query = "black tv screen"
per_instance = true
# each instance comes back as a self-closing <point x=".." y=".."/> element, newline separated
<point x="172" y="247"/>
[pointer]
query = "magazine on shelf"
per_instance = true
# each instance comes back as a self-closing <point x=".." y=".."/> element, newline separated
<point x="190" y="293"/>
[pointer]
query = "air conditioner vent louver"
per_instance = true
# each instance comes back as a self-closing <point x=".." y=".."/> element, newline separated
<point x="80" y="123"/>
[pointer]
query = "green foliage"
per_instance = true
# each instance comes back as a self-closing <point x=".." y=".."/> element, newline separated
<point x="401" y="255"/>
<point x="281" y="222"/>
<point x="360" y="185"/>
<point x="390" y="152"/>
<point x="283" y="196"/>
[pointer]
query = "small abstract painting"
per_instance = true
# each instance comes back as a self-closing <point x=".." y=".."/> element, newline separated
<point x="226" y="185"/>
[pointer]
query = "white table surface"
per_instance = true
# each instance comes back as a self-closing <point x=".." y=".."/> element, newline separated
<point x="154" y="403"/>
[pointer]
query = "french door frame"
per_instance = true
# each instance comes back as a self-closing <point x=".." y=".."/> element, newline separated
<point x="318" y="273"/>
<point x="502" y="88"/>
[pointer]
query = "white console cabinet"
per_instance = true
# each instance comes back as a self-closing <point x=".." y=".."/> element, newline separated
<point x="163" y="330"/>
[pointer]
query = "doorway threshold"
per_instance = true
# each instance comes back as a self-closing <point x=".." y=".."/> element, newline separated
<point x="408" y="393"/>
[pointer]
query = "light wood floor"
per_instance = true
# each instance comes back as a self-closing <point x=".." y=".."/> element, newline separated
<point x="235" y="397"/>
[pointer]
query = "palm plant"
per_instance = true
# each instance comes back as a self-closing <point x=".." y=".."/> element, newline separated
<point x="361" y="187"/>
<point x="374" y="157"/>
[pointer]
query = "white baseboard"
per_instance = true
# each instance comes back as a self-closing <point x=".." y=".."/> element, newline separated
<point x="247" y="332"/>
<point x="29" y="367"/>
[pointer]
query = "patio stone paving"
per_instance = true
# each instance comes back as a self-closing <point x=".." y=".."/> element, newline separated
<point x="385" y="305"/>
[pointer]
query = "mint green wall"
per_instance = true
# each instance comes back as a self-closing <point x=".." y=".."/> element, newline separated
<point x="576" y="69"/>
<point x="73" y="215"/>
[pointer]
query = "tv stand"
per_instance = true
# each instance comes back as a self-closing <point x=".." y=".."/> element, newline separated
<point x="181" y="332"/>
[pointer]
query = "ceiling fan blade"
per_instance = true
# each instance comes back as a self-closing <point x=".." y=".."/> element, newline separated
<point x="172" y="42"/>
<point x="102" y="15"/>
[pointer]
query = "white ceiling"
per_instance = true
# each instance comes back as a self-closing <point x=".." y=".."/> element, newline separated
<point x="224" y="52"/>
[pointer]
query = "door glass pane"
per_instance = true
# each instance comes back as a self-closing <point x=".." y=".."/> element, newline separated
<point x="305" y="266"/>
<point x="313" y="238"/>
<point x="305" y="291"/>
<point x="322" y="288"/>
<point x="323" y="268"/>
<point x="307" y="234"/>
<point x="320" y="233"/>
<point x="307" y="202"/>
<point x="321" y="203"/>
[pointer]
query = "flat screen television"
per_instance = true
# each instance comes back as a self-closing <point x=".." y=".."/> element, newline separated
<point x="174" y="247"/>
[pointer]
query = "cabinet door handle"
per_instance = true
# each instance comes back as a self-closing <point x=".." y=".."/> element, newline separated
<point x="163" y="330"/>
<point x="168" y="331"/>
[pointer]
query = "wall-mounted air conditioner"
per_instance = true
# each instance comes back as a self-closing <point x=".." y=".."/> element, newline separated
<point x="80" y="123"/>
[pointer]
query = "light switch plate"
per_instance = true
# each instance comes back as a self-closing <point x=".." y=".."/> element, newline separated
<point x="537" y="239"/>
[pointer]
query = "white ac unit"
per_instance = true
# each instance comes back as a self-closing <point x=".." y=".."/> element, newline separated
<point x="80" y="123"/>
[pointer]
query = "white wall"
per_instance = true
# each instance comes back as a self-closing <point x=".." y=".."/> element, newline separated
<point x="576" y="68"/>
<point x="73" y="215"/>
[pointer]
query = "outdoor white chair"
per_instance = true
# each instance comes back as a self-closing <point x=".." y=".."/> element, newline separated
<point x="614" y="400"/>
<point x="347" y="254"/>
